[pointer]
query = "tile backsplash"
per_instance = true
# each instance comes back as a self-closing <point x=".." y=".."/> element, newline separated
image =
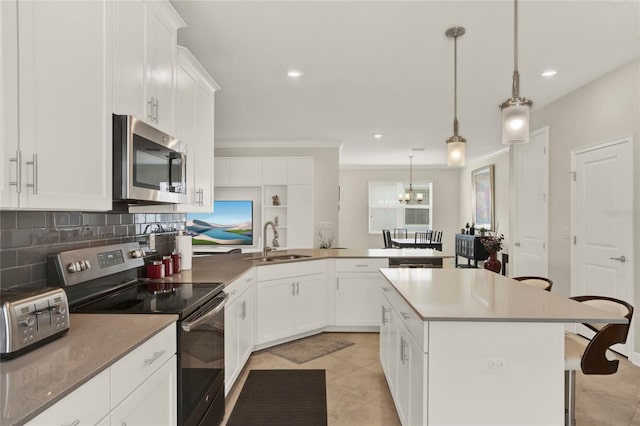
<point x="28" y="237"/>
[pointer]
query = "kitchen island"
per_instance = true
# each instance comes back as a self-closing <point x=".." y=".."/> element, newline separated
<point x="471" y="347"/>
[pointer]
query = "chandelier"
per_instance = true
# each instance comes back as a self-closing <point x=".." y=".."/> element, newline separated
<point x="411" y="195"/>
<point x="515" y="110"/>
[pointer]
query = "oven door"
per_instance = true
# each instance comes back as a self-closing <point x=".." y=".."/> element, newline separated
<point x="201" y="370"/>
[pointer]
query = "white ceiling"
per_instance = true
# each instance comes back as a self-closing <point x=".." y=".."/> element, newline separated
<point x="387" y="67"/>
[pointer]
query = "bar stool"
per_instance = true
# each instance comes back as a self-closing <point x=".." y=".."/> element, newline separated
<point x="591" y="357"/>
<point x="540" y="282"/>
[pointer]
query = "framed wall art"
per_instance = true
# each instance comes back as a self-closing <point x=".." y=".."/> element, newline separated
<point x="482" y="199"/>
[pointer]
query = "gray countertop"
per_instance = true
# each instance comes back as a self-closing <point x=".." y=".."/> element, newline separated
<point x="36" y="380"/>
<point x="482" y="295"/>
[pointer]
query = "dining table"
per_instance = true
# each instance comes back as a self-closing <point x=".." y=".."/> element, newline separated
<point x="411" y="243"/>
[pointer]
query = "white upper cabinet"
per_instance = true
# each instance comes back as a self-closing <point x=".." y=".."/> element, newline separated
<point x="57" y="96"/>
<point x="195" y="126"/>
<point x="274" y="171"/>
<point x="145" y="61"/>
<point x="300" y="171"/>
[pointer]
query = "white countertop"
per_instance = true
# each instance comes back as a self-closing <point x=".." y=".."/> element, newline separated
<point x="482" y="295"/>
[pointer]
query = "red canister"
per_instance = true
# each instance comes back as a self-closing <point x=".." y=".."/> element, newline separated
<point x="177" y="262"/>
<point x="155" y="269"/>
<point x="168" y="265"/>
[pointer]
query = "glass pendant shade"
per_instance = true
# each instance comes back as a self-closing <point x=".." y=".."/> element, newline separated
<point x="456" y="153"/>
<point x="515" y="124"/>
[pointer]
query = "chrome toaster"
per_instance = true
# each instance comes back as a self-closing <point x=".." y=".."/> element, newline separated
<point x="30" y="318"/>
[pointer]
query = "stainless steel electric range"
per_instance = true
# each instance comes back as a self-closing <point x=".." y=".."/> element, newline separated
<point x="106" y="280"/>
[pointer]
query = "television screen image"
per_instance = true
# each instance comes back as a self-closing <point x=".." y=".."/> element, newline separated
<point x="231" y="223"/>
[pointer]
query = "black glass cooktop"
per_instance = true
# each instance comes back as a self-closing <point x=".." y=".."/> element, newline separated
<point x="151" y="297"/>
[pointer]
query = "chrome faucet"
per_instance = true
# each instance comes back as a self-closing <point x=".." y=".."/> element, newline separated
<point x="266" y="248"/>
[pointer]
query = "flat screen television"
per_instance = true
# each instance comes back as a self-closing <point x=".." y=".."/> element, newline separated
<point x="230" y="224"/>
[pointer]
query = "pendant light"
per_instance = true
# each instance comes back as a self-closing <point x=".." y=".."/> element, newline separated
<point x="455" y="144"/>
<point x="515" y="110"/>
<point x="411" y="196"/>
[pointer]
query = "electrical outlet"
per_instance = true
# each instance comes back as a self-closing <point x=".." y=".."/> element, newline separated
<point x="494" y="364"/>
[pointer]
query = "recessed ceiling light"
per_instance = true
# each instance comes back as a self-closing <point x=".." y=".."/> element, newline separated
<point x="377" y="135"/>
<point x="549" y="73"/>
<point x="295" y="73"/>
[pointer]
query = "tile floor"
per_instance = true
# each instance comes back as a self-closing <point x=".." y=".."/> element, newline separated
<point x="357" y="392"/>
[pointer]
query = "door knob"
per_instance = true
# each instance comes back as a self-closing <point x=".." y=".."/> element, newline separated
<point x="620" y="259"/>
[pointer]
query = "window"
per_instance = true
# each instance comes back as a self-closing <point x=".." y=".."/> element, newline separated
<point x="386" y="212"/>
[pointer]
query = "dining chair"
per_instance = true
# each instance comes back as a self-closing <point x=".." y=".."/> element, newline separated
<point x="400" y="233"/>
<point x="594" y="356"/>
<point x="539" y="282"/>
<point x="386" y="235"/>
<point x="437" y="237"/>
<point x="422" y="237"/>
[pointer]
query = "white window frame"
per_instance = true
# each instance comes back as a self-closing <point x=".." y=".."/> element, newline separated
<point x="399" y="208"/>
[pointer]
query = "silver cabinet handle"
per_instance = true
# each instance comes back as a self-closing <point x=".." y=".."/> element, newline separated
<point x="384" y="316"/>
<point x="34" y="163"/>
<point x="156" y="106"/>
<point x="154" y="358"/>
<point x="517" y="244"/>
<point x="386" y="289"/>
<point x="298" y="288"/>
<point x="243" y="306"/>
<point x="405" y="351"/>
<point x="150" y="102"/>
<point x="18" y="182"/>
<point x="402" y="349"/>
<point x="405" y="315"/>
<point x="200" y="193"/>
<point x="293" y="289"/>
<point x="362" y="265"/>
<point x="620" y="259"/>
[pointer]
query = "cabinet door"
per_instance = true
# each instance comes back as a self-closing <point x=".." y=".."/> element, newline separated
<point x="221" y="171"/>
<point x="310" y="303"/>
<point x="274" y="310"/>
<point x="245" y="171"/>
<point x="65" y="67"/>
<point x="87" y="405"/>
<point x="274" y="171"/>
<point x="231" y="337"/>
<point x="161" y="69"/>
<point x="154" y="402"/>
<point x="9" y="192"/>
<point x="403" y="384"/>
<point x="300" y="171"/>
<point x="416" y="385"/>
<point x="203" y="161"/>
<point x="358" y="299"/>
<point x="247" y="326"/>
<point x="128" y="58"/>
<point x="300" y="216"/>
<point x="389" y="346"/>
<point x="185" y="113"/>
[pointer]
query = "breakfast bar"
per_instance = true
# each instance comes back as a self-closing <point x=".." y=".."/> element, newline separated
<point x="468" y="346"/>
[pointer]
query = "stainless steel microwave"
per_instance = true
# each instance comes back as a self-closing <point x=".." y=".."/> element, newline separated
<point x="149" y="166"/>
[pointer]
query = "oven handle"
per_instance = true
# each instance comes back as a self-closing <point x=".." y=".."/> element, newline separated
<point x="189" y="325"/>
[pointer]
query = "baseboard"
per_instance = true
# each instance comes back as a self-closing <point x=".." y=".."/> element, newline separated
<point x="635" y="358"/>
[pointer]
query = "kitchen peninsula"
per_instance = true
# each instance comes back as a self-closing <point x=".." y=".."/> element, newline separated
<point x="468" y="346"/>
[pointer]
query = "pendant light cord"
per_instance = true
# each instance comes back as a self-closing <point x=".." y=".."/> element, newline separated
<point x="455" y="85"/>
<point x="515" y="89"/>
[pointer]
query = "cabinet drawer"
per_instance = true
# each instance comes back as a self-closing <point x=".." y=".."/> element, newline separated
<point x="239" y="285"/>
<point x="142" y="362"/>
<point x="411" y="320"/>
<point x="293" y="269"/>
<point x="361" y="265"/>
<point x="87" y="405"/>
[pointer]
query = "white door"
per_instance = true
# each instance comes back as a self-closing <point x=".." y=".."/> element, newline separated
<point x="603" y="222"/>
<point x="531" y="169"/>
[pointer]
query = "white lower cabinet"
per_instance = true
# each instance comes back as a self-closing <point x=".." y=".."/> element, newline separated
<point x="87" y="405"/>
<point x="291" y="299"/>
<point x="404" y="364"/>
<point x="153" y="402"/>
<point x="139" y="389"/>
<point x="239" y="325"/>
<point x="357" y="291"/>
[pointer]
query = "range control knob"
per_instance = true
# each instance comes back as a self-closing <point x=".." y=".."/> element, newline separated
<point x="87" y="265"/>
<point x="135" y="253"/>
<point x="28" y="321"/>
<point x="73" y="267"/>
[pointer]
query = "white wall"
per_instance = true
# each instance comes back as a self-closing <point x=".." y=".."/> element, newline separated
<point x="325" y="177"/>
<point x="501" y="165"/>
<point x="354" y="207"/>
<point x="607" y="108"/>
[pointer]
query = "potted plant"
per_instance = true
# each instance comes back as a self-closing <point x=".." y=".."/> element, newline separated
<point x="493" y="244"/>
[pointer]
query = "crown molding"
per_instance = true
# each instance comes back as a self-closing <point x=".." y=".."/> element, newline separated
<point x="277" y="144"/>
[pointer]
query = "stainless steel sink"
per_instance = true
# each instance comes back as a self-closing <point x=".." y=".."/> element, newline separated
<point x="279" y="257"/>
